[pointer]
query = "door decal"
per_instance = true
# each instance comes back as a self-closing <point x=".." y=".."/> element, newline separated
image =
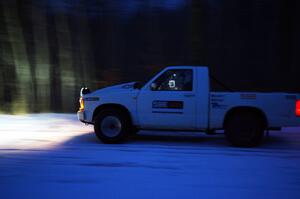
<point x="167" y="112"/>
<point x="167" y="104"/>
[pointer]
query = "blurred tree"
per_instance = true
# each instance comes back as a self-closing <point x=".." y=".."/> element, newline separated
<point x="49" y="49"/>
<point x="55" y="67"/>
<point x="16" y="50"/>
<point x="42" y="70"/>
<point x="7" y="67"/>
<point x="199" y="32"/>
<point x="26" y="23"/>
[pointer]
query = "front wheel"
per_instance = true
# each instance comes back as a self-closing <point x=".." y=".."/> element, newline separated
<point x="111" y="126"/>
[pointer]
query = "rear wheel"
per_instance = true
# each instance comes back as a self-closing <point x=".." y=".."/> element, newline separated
<point x="112" y="126"/>
<point x="244" y="129"/>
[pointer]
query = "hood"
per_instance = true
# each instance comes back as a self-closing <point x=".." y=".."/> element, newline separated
<point x="119" y="87"/>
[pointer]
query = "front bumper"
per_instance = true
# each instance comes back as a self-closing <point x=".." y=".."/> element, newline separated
<point x="81" y="116"/>
<point x="84" y="117"/>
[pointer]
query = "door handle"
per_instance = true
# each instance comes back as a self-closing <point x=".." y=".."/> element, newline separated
<point x="189" y="95"/>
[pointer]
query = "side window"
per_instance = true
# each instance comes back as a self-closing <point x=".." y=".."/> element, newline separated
<point x="174" y="80"/>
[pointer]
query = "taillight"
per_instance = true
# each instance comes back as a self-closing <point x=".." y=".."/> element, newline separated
<point x="81" y="102"/>
<point x="298" y="108"/>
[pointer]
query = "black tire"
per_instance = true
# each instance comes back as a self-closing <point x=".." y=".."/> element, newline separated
<point x="134" y="131"/>
<point x="112" y="126"/>
<point x="244" y="129"/>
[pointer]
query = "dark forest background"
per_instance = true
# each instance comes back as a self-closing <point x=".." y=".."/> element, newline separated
<point x="49" y="49"/>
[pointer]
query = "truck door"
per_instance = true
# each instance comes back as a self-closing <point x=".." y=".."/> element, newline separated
<point x="169" y="101"/>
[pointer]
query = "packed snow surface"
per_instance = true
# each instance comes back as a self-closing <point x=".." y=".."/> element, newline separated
<point x="56" y="156"/>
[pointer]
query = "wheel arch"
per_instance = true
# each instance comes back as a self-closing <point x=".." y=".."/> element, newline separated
<point x="112" y="106"/>
<point x="238" y="109"/>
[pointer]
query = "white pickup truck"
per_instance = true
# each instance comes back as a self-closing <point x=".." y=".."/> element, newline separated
<point x="179" y="98"/>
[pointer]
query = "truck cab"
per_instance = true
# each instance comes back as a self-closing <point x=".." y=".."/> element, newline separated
<point x="176" y="98"/>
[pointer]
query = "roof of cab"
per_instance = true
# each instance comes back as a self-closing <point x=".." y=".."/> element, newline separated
<point x="186" y="66"/>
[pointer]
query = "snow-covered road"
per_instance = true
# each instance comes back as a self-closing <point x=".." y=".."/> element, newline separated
<point x="55" y="156"/>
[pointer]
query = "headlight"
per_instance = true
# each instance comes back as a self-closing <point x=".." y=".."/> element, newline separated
<point x="81" y="102"/>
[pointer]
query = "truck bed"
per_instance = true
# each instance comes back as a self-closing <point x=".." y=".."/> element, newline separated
<point x="278" y="108"/>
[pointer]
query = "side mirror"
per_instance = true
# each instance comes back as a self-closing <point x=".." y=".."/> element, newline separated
<point x="84" y="90"/>
<point x="137" y="85"/>
<point x="153" y="86"/>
